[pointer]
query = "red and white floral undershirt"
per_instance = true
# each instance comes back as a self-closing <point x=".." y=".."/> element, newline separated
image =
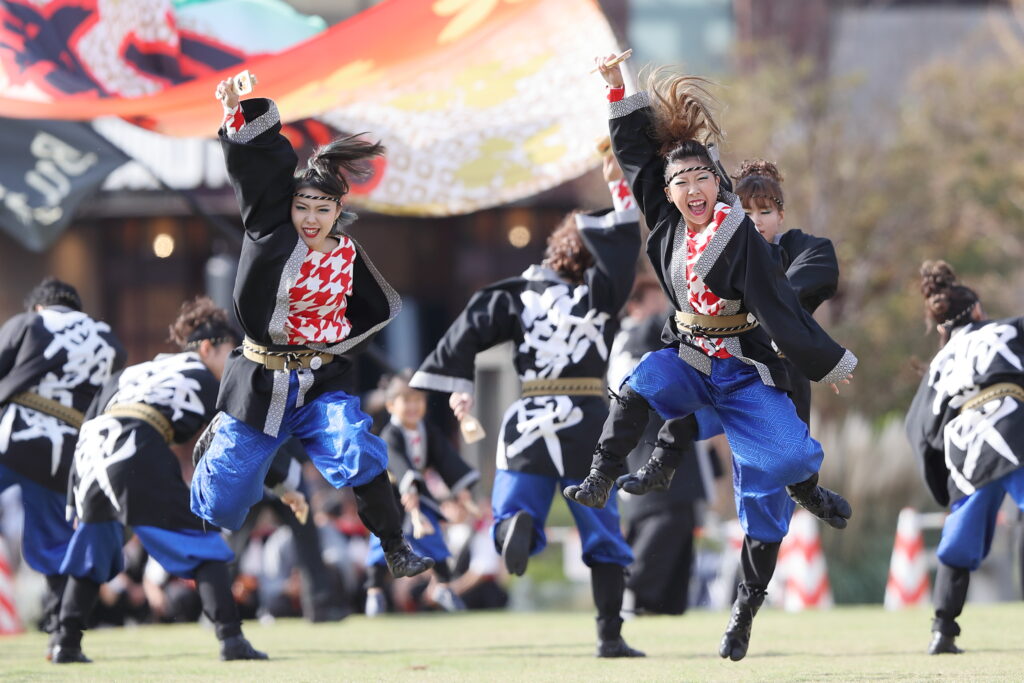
<point x="318" y="300"/>
<point x="702" y="300"/>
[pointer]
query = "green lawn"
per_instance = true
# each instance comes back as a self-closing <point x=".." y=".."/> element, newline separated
<point x="846" y="644"/>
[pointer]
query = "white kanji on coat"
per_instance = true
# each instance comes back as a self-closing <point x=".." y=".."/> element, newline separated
<point x="556" y="334"/>
<point x="968" y="354"/>
<point x="95" y="452"/>
<point x="971" y="431"/>
<point x="89" y="360"/>
<point x="163" y="382"/>
<point x="539" y="417"/>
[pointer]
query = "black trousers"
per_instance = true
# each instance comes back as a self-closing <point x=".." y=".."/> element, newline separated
<point x="212" y="580"/>
<point x="663" y="546"/>
<point x="949" y="596"/>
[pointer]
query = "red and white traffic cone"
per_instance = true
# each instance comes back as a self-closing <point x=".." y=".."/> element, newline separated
<point x="908" y="584"/>
<point x="801" y="569"/>
<point x="9" y="621"/>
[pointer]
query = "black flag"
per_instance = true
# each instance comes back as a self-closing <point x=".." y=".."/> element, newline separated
<point x="49" y="168"/>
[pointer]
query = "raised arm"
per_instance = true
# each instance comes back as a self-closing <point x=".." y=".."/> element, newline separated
<point x="486" y="321"/>
<point x="613" y="239"/>
<point x="260" y="161"/>
<point x="636" y="151"/>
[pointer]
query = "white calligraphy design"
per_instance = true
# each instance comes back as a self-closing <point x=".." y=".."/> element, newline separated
<point x="162" y="382"/>
<point x="972" y="430"/>
<point x="952" y="373"/>
<point x="95" y="452"/>
<point x="90" y="360"/>
<point x="555" y="334"/>
<point x="540" y="417"/>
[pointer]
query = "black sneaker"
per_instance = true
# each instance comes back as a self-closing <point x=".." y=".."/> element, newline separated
<point x="592" y="491"/>
<point x="515" y="550"/>
<point x="402" y="561"/>
<point x="826" y="505"/>
<point x="943" y="645"/>
<point x="653" y="476"/>
<point x="616" y="648"/>
<point x="238" y="648"/>
<point x="68" y="655"/>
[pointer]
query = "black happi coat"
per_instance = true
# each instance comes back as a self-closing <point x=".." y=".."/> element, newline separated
<point x="737" y="266"/>
<point x="559" y="330"/>
<point x="813" y="271"/>
<point x="123" y="469"/>
<point x="440" y="456"/>
<point x="261" y="163"/>
<point x="60" y="354"/>
<point x="962" y="451"/>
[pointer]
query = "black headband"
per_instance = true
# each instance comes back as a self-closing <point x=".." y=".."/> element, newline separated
<point x="768" y="196"/>
<point x="193" y="344"/>
<point x="317" y="197"/>
<point x="687" y="170"/>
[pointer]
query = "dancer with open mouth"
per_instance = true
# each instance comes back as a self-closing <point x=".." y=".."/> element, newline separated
<point x="307" y="297"/>
<point x="735" y="312"/>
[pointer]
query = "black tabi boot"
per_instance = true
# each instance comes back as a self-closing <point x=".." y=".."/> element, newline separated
<point x="627" y="419"/>
<point x="736" y="639"/>
<point x="379" y="511"/>
<point x="824" y="504"/>
<point x="592" y="491"/>
<point x="514" y="540"/>
<point x="607" y="582"/>
<point x="949" y="596"/>
<point x="757" y="564"/>
<point x="78" y="602"/>
<point x="656" y="475"/>
<point x="213" y="582"/>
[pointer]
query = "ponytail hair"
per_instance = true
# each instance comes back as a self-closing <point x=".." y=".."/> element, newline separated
<point x="947" y="303"/>
<point x="201" y="319"/>
<point x="759" y="185"/>
<point x="684" y="122"/>
<point x="330" y="167"/>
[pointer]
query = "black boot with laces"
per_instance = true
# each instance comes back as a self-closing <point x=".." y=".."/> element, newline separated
<point x="826" y="505"/>
<point x="592" y="491"/>
<point x="654" y="475"/>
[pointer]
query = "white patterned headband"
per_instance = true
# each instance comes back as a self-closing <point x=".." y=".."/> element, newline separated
<point x="323" y="197"/>
<point x="687" y="170"/>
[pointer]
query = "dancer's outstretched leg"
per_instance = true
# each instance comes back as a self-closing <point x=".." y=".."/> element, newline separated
<point x="627" y="418"/>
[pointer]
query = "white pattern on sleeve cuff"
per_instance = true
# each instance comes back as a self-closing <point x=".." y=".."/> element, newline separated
<point x="443" y="383"/>
<point x="843" y="368"/>
<point x="260" y="124"/>
<point x="628" y="105"/>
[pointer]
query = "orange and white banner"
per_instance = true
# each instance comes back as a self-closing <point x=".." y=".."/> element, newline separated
<point x="479" y="102"/>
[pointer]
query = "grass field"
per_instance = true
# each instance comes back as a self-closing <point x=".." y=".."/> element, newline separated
<point x="846" y="644"/>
